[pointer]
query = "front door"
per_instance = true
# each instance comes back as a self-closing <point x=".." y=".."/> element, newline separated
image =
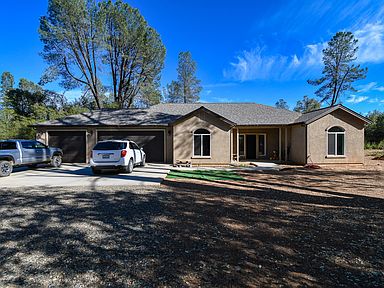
<point x="250" y="146"/>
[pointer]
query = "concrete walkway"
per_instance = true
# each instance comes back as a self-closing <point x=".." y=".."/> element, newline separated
<point x="247" y="166"/>
<point x="81" y="175"/>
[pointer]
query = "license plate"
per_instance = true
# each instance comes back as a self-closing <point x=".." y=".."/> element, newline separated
<point x="105" y="156"/>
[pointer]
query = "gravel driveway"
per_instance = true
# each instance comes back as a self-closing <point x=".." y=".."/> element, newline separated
<point x="184" y="234"/>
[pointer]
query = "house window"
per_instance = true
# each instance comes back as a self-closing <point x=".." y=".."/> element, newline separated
<point x="242" y="145"/>
<point x="201" y="143"/>
<point x="336" y="141"/>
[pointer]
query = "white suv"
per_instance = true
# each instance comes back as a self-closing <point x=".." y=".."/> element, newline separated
<point x="116" y="155"/>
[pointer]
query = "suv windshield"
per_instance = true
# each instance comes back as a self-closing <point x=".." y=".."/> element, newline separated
<point x="110" y="146"/>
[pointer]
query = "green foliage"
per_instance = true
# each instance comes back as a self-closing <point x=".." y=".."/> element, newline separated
<point x="339" y="72"/>
<point x="84" y="38"/>
<point x="133" y="52"/>
<point x="282" y="104"/>
<point x="70" y="36"/>
<point x="307" y="105"/>
<point x="7" y="82"/>
<point x="374" y="132"/>
<point x="29" y="104"/>
<point x="187" y="88"/>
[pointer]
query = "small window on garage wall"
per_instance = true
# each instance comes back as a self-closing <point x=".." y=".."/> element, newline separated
<point x="336" y="141"/>
<point x="201" y="143"/>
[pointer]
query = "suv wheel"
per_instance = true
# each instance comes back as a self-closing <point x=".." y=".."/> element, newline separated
<point x="143" y="162"/>
<point x="56" y="161"/>
<point x="129" y="168"/>
<point x="6" y="168"/>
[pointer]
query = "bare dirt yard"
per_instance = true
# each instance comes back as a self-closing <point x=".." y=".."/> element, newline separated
<point x="293" y="228"/>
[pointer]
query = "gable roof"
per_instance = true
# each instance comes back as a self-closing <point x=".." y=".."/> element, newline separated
<point x="241" y="114"/>
<point x="202" y="108"/>
<point x="164" y="114"/>
<point x="312" y="116"/>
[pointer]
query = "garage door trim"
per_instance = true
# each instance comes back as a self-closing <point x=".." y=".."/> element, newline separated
<point x="138" y="129"/>
<point x="70" y="130"/>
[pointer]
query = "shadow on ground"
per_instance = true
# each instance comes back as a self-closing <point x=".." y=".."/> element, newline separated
<point x="184" y="234"/>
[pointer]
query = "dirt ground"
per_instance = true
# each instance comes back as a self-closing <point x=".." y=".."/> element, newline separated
<point x="293" y="228"/>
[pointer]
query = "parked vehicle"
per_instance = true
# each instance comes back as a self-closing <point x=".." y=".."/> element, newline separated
<point x="26" y="153"/>
<point x="116" y="155"/>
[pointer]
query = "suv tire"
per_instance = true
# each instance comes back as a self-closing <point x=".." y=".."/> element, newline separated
<point x="56" y="161"/>
<point x="129" y="168"/>
<point x="6" y="168"/>
<point x="142" y="164"/>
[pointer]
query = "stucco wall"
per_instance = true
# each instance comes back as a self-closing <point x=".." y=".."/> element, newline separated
<point x="297" y="144"/>
<point x="354" y="138"/>
<point x="220" y="139"/>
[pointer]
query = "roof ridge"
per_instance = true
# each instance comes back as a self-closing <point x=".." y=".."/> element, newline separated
<point x="322" y="108"/>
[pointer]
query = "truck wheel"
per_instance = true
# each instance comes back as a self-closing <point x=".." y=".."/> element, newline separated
<point x="56" y="161"/>
<point x="129" y="168"/>
<point x="6" y="168"/>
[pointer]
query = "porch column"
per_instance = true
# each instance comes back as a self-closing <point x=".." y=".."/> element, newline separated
<point x="231" y="146"/>
<point x="286" y="144"/>
<point x="279" y="143"/>
<point x="237" y="146"/>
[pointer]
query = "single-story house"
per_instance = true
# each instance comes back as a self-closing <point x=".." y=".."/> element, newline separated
<point x="216" y="133"/>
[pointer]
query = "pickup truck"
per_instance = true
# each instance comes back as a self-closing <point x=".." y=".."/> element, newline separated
<point x="26" y="153"/>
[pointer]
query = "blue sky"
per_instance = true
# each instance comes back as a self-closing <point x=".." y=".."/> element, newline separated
<point x="254" y="51"/>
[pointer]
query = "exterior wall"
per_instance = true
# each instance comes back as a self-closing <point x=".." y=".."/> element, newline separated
<point x="354" y="138"/>
<point x="169" y="145"/>
<point x="297" y="146"/>
<point x="220" y="139"/>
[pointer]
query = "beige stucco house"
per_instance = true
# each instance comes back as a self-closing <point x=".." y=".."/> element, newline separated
<point x="216" y="133"/>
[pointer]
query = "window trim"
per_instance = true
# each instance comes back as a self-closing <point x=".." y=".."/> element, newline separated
<point x="327" y="143"/>
<point x="265" y="144"/>
<point x="201" y="145"/>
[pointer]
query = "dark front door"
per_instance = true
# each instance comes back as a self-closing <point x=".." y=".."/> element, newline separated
<point x="152" y="142"/>
<point x="73" y="144"/>
<point x="250" y="144"/>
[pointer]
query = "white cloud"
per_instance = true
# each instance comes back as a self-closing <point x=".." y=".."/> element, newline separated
<point x="372" y="86"/>
<point x="376" y="100"/>
<point x="356" y="99"/>
<point x="371" y="43"/>
<point x="257" y="64"/>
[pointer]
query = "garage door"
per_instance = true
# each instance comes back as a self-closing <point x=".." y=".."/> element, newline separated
<point x="73" y="144"/>
<point x="151" y="141"/>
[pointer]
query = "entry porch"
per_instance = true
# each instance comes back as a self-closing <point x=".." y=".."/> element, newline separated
<point x="261" y="143"/>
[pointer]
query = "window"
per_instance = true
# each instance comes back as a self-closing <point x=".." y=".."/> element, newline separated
<point x="28" y="144"/>
<point x="202" y="143"/>
<point x="39" y="145"/>
<point x="336" y="141"/>
<point x="8" y="145"/>
<point x="110" y="146"/>
<point x="242" y="145"/>
<point x="262" y="150"/>
<point x="133" y="145"/>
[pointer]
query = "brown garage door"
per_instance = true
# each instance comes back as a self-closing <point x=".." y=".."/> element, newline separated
<point x="151" y="141"/>
<point x="73" y="144"/>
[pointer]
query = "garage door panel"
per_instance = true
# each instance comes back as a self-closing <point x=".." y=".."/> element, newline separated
<point x="151" y="141"/>
<point x="73" y="144"/>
